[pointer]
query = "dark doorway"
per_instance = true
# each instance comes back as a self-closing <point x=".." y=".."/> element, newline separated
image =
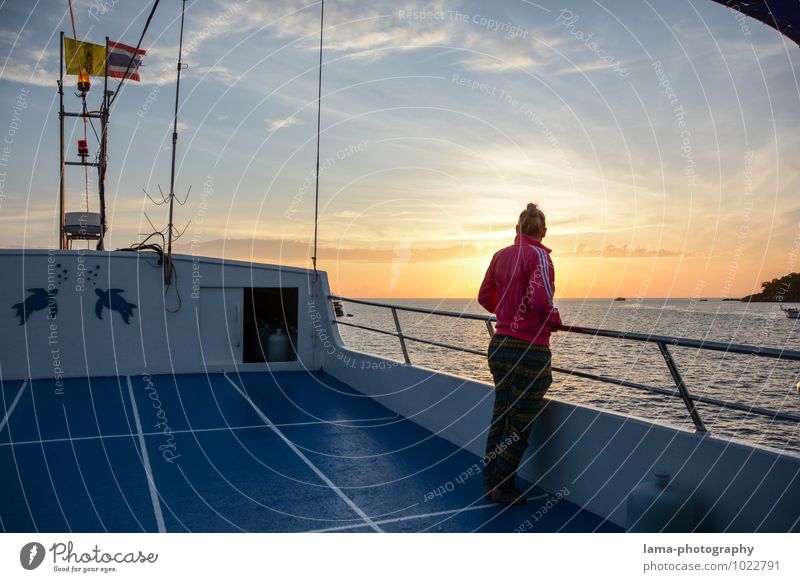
<point x="269" y="313"/>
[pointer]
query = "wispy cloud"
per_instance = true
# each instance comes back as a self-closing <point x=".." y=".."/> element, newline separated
<point x="367" y="31"/>
<point x="623" y="252"/>
<point x="29" y="73"/>
<point x="294" y="250"/>
<point x="9" y="36"/>
<point x="496" y="53"/>
<point x="276" y="124"/>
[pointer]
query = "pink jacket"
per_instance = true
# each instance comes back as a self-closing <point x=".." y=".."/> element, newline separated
<point x="518" y="288"/>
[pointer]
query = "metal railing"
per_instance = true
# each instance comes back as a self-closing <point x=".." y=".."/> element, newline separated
<point x="662" y="341"/>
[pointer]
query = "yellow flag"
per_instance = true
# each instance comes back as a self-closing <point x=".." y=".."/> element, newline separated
<point x="84" y="55"/>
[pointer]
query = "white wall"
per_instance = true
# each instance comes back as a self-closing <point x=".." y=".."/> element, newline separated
<point x="77" y="343"/>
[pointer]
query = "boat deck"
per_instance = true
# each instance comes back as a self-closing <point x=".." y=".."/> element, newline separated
<point x="290" y="451"/>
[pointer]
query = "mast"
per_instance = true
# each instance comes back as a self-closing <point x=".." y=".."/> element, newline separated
<point x="170" y="227"/>
<point x="62" y="243"/>
<point x="101" y="168"/>
<point x="319" y="125"/>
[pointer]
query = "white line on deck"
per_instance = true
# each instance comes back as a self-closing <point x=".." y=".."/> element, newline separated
<point x="340" y="423"/>
<point x="13" y="405"/>
<point x="305" y="459"/>
<point x="146" y="462"/>
<point x="422" y="515"/>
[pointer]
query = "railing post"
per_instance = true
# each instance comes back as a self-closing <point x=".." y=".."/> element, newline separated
<point x="661" y="340"/>
<point x="684" y="392"/>
<point x="400" y="335"/>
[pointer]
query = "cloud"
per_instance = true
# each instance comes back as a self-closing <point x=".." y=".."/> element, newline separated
<point x="218" y="72"/>
<point x="25" y="65"/>
<point x="345" y="214"/>
<point x="278" y="250"/>
<point x="497" y="54"/>
<point x="496" y="64"/>
<point x="622" y="252"/>
<point x="276" y="124"/>
<point x="364" y="30"/>
<point x="9" y="36"/>
<point x="28" y="74"/>
<point x="580" y="68"/>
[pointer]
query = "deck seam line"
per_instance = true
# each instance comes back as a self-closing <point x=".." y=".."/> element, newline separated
<point x="421" y="516"/>
<point x="146" y="462"/>
<point x="305" y="459"/>
<point x="13" y="405"/>
<point x="194" y="431"/>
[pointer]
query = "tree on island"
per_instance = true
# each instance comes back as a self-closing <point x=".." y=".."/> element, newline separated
<point x="786" y="290"/>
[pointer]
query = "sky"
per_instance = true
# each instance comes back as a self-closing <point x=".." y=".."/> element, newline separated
<point x="660" y="138"/>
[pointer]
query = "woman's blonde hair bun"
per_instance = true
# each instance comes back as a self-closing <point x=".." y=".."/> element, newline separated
<point x="531" y="221"/>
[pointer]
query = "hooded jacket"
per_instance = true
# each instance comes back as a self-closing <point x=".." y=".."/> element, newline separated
<point x="518" y="288"/>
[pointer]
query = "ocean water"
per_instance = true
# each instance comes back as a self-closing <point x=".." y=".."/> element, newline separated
<point x="744" y="379"/>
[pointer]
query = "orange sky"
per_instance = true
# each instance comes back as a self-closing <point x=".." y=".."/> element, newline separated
<point x="674" y="175"/>
<point x="406" y="271"/>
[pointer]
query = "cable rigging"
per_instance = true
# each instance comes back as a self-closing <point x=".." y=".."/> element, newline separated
<point x="319" y="123"/>
<point x="138" y="46"/>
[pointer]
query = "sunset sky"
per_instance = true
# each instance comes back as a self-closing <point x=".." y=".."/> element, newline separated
<point x="660" y="138"/>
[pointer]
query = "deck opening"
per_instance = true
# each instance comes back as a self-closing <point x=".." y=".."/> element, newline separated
<point x="270" y="324"/>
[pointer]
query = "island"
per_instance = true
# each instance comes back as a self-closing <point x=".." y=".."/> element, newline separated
<point x="784" y="290"/>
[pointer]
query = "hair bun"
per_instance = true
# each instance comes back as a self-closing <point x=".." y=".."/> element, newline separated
<point x="531" y="220"/>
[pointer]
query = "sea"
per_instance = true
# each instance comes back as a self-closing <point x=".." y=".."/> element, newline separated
<point x="744" y="379"/>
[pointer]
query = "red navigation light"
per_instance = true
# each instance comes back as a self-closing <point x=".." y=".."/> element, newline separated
<point x="83" y="81"/>
<point x="83" y="148"/>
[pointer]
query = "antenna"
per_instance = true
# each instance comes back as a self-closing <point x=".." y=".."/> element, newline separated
<point x="319" y="122"/>
<point x="172" y="234"/>
<point x="175" y="134"/>
<point x="170" y="225"/>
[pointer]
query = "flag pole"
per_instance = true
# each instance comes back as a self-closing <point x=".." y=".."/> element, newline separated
<point x="61" y="239"/>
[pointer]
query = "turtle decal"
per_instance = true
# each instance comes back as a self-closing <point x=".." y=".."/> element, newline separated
<point x="38" y="299"/>
<point x="113" y="301"/>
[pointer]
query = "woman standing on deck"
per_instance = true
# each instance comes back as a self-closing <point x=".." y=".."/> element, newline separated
<point x="518" y="288"/>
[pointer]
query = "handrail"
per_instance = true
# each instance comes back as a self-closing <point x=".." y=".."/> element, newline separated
<point x="662" y="341"/>
<point x="457" y="314"/>
<point x="625" y="335"/>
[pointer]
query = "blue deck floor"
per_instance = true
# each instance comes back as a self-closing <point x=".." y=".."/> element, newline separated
<point x="290" y="451"/>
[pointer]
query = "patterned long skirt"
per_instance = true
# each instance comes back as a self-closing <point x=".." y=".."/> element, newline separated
<point x="522" y="375"/>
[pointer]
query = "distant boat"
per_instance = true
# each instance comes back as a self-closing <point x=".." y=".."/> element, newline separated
<point x="791" y="312"/>
<point x="338" y="308"/>
<point x="619" y="299"/>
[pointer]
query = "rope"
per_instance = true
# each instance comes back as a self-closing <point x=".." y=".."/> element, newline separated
<point x="85" y="138"/>
<point x="72" y="18"/>
<point x="138" y="46"/>
<point x="319" y="122"/>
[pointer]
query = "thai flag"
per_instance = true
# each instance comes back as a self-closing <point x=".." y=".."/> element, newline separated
<point x="120" y="56"/>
